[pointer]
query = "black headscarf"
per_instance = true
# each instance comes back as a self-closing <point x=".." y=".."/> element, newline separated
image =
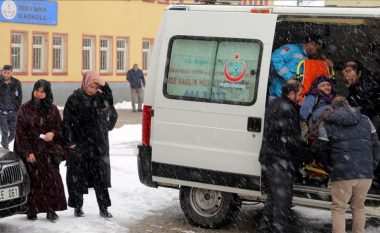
<point x="45" y="103"/>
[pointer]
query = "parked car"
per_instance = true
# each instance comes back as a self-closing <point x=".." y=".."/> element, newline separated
<point x="14" y="184"/>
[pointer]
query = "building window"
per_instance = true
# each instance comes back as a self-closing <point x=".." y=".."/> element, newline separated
<point x="121" y="55"/>
<point x="147" y="51"/>
<point x="18" y="52"/>
<point x="39" y="53"/>
<point x="59" y="54"/>
<point x="88" y="54"/>
<point x="163" y="1"/>
<point x="256" y="2"/>
<point x="105" y="55"/>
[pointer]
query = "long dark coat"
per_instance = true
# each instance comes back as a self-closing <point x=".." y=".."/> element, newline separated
<point x="47" y="192"/>
<point x="86" y="122"/>
<point x="282" y="135"/>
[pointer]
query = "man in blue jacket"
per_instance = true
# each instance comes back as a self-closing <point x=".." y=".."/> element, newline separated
<point x="347" y="146"/>
<point x="286" y="59"/>
<point x="136" y="81"/>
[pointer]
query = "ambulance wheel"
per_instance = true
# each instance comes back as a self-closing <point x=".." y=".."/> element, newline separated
<point x="209" y="208"/>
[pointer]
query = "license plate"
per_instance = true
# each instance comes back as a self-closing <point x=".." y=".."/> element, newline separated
<point x="9" y="193"/>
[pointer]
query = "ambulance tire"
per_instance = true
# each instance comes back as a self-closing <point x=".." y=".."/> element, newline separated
<point x="209" y="208"/>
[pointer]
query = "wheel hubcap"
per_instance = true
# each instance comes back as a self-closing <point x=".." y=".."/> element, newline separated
<point x="206" y="202"/>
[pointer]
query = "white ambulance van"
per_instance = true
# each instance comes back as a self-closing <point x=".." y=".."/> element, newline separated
<point x="205" y="99"/>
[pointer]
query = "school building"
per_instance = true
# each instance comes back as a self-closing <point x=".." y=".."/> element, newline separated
<point x="60" y="40"/>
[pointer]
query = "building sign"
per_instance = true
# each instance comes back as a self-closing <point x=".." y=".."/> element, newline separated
<point x="30" y="12"/>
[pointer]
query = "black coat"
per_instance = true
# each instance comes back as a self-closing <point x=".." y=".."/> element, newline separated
<point x="46" y="187"/>
<point x="86" y="122"/>
<point x="366" y="93"/>
<point x="282" y="135"/>
<point x="16" y="92"/>
<point x="346" y="145"/>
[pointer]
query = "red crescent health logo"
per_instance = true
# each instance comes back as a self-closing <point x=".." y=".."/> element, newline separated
<point x="234" y="79"/>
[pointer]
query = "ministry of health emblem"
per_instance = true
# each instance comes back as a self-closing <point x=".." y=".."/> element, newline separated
<point x="234" y="70"/>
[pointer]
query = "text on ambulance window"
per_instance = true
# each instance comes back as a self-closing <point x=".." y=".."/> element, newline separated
<point x="220" y="70"/>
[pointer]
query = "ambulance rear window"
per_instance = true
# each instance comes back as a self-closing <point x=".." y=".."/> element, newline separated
<point x="219" y="70"/>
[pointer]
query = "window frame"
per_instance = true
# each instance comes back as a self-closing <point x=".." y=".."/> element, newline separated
<point x="151" y="44"/>
<point x="109" y="55"/>
<point x="92" y="50"/>
<point x="64" y="55"/>
<point x="210" y="100"/>
<point x="23" y="70"/>
<point x="127" y="55"/>
<point x="44" y="53"/>
<point x="165" y="2"/>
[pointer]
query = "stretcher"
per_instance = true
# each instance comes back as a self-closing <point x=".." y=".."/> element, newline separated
<point x="309" y="70"/>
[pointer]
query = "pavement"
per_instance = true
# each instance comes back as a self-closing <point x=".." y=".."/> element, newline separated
<point x="127" y="116"/>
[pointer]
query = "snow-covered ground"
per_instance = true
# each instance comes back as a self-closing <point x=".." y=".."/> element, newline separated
<point x="131" y="201"/>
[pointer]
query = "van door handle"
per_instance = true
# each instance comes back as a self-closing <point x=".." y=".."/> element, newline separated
<point x="254" y="124"/>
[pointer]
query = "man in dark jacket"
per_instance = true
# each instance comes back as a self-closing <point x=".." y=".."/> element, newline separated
<point x="10" y="101"/>
<point x="346" y="143"/>
<point x="280" y="156"/>
<point x="364" y="90"/>
<point x="136" y="80"/>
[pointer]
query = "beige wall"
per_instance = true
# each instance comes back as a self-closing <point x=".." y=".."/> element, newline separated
<point x="133" y="19"/>
<point x="353" y="3"/>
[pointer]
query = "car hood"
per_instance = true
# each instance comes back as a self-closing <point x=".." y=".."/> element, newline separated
<point x="7" y="156"/>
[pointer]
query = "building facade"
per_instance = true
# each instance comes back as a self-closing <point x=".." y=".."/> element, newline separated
<point x="104" y="36"/>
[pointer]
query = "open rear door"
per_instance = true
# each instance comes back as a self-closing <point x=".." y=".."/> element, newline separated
<point x="208" y="118"/>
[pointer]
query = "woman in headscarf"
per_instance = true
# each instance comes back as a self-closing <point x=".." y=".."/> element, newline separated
<point x="317" y="100"/>
<point x="88" y="116"/>
<point x="39" y="143"/>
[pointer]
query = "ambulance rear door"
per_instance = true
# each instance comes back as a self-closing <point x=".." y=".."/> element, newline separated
<point x="207" y="127"/>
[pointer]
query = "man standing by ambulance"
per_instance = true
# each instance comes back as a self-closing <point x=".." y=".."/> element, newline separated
<point x="347" y="146"/>
<point x="10" y="101"/>
<point x="281" y="155"/>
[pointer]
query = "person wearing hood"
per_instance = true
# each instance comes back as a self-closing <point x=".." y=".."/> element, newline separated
<point x="39" y="143"/>
<point x="88" y="116"/>
<point x="347" y="146"/>
<point x="317" y="100"/>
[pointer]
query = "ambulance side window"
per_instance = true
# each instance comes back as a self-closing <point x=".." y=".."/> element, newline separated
<point x="218" y="70"/>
